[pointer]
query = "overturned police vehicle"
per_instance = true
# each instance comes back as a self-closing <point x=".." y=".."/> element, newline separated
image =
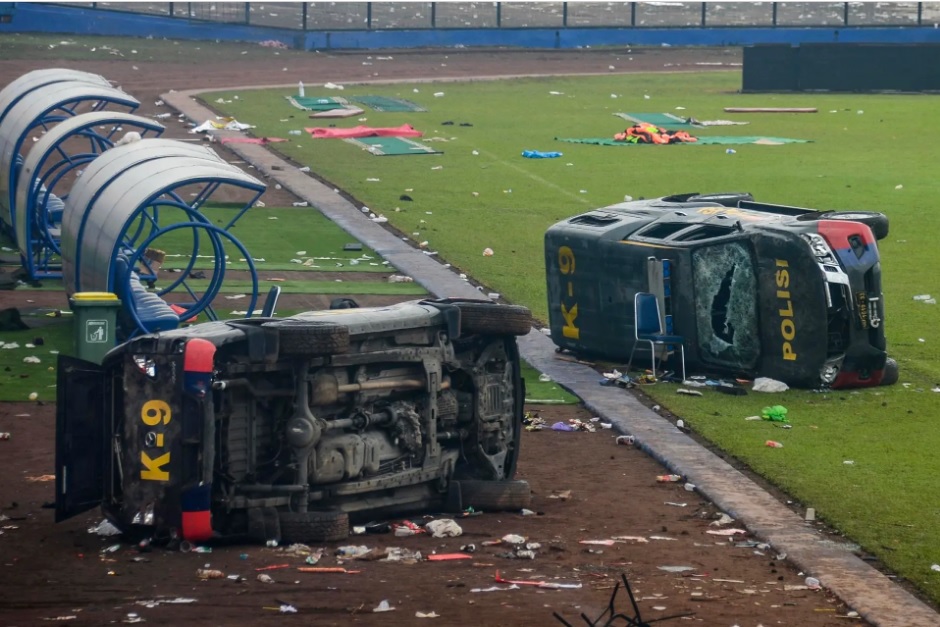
<point x="283" y="428"/>
<point x="751" y="288"/>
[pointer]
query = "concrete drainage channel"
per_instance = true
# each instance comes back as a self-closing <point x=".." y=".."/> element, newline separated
<point x="873" y="595"/>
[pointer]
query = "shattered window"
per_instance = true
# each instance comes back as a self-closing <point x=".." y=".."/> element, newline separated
<point x="726" y="305"/>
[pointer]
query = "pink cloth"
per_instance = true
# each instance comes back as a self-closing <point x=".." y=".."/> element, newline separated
<point x="251" y="140"/>
<point x="405" y="130"/>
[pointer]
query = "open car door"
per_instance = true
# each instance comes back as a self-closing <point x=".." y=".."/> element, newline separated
<point x="81" y="440"/>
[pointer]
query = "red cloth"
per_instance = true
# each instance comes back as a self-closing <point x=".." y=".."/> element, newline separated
<point x="405" y="130"/>
<point x="251" y="140"/>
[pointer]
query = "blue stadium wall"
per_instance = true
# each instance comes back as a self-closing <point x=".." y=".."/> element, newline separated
<point x="41" y="18"/>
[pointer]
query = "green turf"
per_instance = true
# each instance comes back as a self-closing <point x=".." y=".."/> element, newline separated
<point x="538" y="391"/>
<point x="868" y="152"/>
<point x="243" y="286"/>
<point x="285" y="238"/>
<point x="19" y="379"/>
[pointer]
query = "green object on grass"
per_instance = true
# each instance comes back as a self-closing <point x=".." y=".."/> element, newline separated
<point x="392" y="146"/>
<point x="662" y="120"/>
<point x="387" y="105"/>
<point x="312" y="103"/>
<point x="724" y="140"/>
<point x="776" y="413"/>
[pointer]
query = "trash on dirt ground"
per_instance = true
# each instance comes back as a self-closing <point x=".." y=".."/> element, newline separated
<point x="688" y="392"/>
<point x="407" y="528"/>
<point x="404" y="556"/>
<point x="384" y="606"/>
<point x="666" y="538"/>
<point x="812" y="583"/>
<point x="674" y="504"/>
<point x="598" y="542"/>
<point x="765" y="384"/>
<point x="105" y="529"/>
<point x="352" y="552"/>
<point x="207" y="573"/>
<point x="773" y="444"/>
<point x="327" y="570"/>
<point x="526" y="512"/>
<point x="676" y="569"/>
<point x="265" y="578"/>
<point x="724" y="519"/>
<point x="495" y="589"/>
<point x="444" y="528"/>
<point x="538" y="584"/>
<point x="512" y="538"/>
<point x="639" y="539"/>
<point x="668" y="478"/>
<point x="775" y="413"/>
<point x="626" y="440"/>
<point x="562" y="426"/>
<point x="726" y="532"/>
<point x="431" y="614"/>
<point x="5" y="435"/>
<point x="448" y="557"/>
<point x="152" y="603"/>
<point x="274" y="567"/>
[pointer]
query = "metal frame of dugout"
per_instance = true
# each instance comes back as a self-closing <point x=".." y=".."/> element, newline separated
<point x="113" y="216"/>
<point x="43" y="107"/>
<point x="40" y="198"/>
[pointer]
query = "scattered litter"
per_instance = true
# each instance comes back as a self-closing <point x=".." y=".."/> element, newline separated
<point x="725" y="519"/>
<point x="495" y="589"/>
<point x="726" y="532"/>
<point x="598" y="542"/>
<point x="327" y="570"/>
<point x="812" y="583"/>
<point x="206" y="573"/>
<point x="773" y="444"/>
<point x="384" y="606"/>
<point x="775" y="413"/>
<point x="539" y="584"/>
<point x="487" y="252"/>
<point x="626" y="440"/>
<point x="443" y="528"/>
<point x="564" y="495"/>
<point x="152" y="603"/>
<point x="666" y="538"/>
<point x="431" y="614"/>
<point x="810" y="514"/>
<point x="688" y="392"/>
<point x="674" y="504"/>
<point x="265" y="578"/>
<point x="639" y="539"/>
<point x="765" y="384"/>
<point x="105" y="529"/>
<point x="668" y="478"/>
<point x="676" y="569"/>
<point x="448" y="557"/>
<point x="31" y="359"/>
<point x="935" y="568"/>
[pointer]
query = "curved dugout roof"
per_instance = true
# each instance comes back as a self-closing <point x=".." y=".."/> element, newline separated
<point x="45" y="106"/>
<point x="39" y="173"/>
<point x="14" y="91"/>
<point x="100" y="174"/>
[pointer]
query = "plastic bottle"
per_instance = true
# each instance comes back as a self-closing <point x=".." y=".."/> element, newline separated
<point x="773" y="444"/>
<point x="669" y="478"/>
<point x="263" y="578"/>
<point x="300" y="89"/>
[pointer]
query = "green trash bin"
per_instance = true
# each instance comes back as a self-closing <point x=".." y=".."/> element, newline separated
<point x="95" y="324"/>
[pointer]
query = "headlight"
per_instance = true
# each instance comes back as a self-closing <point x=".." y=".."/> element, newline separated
<point x="819" y="247"/>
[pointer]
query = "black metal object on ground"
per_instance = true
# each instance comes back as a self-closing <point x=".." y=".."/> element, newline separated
<point x="610" y="616"/>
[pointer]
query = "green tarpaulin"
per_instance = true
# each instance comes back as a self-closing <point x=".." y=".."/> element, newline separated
<point x="393" y="105"/>
<point x="311" y="103"/>
<point x="663" y="120"/>
<point x="392" y="146"/>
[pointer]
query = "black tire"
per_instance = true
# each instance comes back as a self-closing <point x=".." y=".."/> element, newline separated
<point x="264" y="524"/>
<point x="480" y="317"/>
<point x="877" y="222"/>
<point x="891" y="372"/>
<point x="728" y="199"/>
<point x="305" y="337"/>
<point x="495" y="495"/>
<point x="316" y="526"/>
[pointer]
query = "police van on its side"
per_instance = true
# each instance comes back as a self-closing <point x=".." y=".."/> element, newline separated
<point x="755" y="289"/>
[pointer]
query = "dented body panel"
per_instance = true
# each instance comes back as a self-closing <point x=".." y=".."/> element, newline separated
<point x="755" y="289"/>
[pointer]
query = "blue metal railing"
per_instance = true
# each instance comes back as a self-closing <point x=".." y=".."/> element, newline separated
<point x="329" y="16"/>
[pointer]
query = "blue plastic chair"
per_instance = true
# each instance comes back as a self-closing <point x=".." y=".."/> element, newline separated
<point x="649" y="328"/>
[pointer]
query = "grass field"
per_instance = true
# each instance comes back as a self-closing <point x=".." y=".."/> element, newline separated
<point x="864" y="459"/>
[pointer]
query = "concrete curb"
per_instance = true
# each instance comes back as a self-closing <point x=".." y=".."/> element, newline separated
<point x="873" y="595"/>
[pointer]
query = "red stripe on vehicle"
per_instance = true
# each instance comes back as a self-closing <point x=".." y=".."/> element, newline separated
<point x="197" y="526"/>
<point x="198" y="356"/>
<point x="837" y="233"/>
<point x="852" y="380"/>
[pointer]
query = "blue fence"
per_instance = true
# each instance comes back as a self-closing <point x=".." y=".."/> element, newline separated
<point x="319" y="16"/>
<point x="377" y="25"/>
